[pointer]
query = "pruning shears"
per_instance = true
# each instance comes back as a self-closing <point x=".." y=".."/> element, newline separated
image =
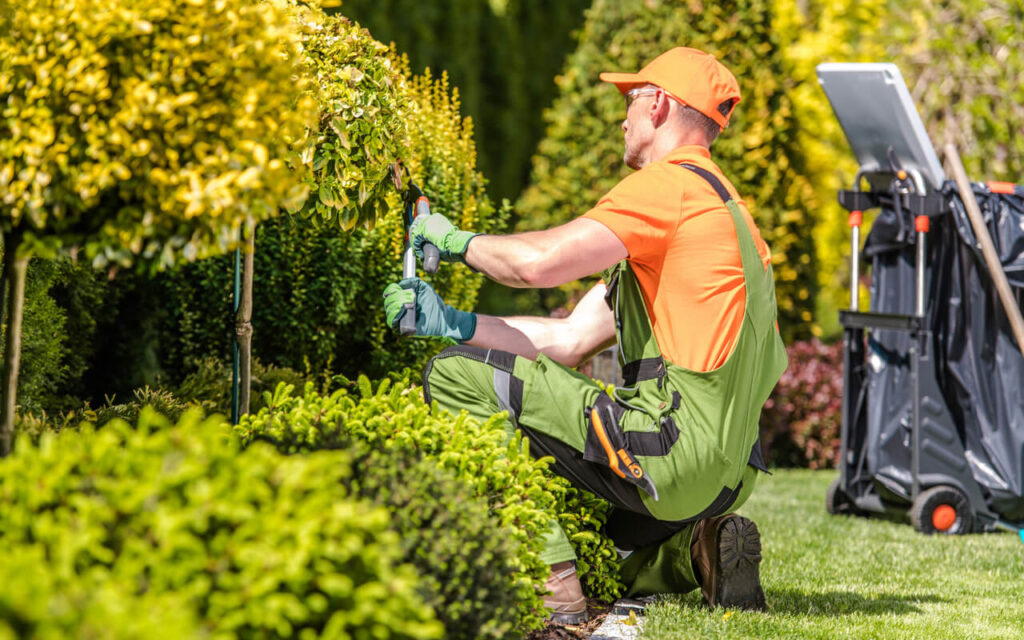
<point x="414" y="205"/>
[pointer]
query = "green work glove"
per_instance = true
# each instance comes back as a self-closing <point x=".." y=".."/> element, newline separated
<point x="436" y="229"/>
<point x="433" y="316"/>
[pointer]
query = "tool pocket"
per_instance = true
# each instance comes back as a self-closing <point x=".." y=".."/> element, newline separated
<point x="607" y="444"/>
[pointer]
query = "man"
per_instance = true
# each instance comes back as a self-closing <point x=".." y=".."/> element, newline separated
<point x="690" y="299"/>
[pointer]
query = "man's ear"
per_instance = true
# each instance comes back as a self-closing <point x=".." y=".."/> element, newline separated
<point x="660" y="109"/>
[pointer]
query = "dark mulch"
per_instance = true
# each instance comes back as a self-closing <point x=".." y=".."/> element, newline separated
<point x="597" y="611"/>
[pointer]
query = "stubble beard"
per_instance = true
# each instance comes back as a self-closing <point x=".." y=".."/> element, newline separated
<point x="631" y="157"/>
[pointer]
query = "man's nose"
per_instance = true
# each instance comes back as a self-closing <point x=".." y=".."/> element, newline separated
<point x="623" y="125"/>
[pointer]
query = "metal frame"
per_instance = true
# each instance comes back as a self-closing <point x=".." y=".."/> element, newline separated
<point x="855" y="323"/>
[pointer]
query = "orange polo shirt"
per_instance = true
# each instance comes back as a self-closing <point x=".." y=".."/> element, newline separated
<point x="682" y="246"/>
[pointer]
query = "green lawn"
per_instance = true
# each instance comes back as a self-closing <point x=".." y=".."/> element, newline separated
<point x="842" y="577"/>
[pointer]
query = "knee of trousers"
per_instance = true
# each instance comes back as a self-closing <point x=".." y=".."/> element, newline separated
<point x="462" y="376"/>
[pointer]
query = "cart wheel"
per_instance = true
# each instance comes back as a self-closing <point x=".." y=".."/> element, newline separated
<point x="836" y="500"/>
<point x="944" y="510"/>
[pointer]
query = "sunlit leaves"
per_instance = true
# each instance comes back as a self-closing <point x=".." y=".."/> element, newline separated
<point x="362" y="128"/>
<point x="149" y="131"/>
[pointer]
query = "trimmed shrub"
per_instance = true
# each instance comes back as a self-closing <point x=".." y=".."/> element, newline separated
<point x="460" y="548"/>
<point x="317" y="295"/>
<point x="252" y="543"/>
<point x="147" y="132"/>
<point x="801" y="420"/>
<point x="36" y="602"/>
<point x="515" y="486"/>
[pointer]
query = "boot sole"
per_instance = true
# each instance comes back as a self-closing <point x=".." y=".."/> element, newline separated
<point x="739" y="556"/>
<point x="569" y="619"/>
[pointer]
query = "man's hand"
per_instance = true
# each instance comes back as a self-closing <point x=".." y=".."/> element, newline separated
<point x="436" y="229"/>
<point x="433" y="316"/>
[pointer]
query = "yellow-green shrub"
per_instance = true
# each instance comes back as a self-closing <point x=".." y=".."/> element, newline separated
<point x="469" y="555"/>
<point x="362" y="128"/>
<point x="244" y="543"/>
<point x="146" y="130"/>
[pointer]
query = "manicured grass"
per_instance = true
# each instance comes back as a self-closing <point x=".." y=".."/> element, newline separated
<point x="844" y="577"/>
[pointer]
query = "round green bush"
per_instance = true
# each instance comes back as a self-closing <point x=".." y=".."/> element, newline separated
<point x="252" y="543"/>
<point x="37" y="603"/>
<point x="393" y="418"/>
<point x="517" y="487"/>
<point x="459" y="547"/>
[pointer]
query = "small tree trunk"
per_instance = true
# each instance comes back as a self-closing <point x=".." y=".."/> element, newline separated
<point x="5" y="284"/>
<point x="15" y="268"/>
<point x="243" y="327"/>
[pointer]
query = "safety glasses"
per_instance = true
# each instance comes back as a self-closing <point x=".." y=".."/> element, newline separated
<point x="639" y="92"/>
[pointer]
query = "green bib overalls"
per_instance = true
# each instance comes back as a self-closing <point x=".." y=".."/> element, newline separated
<point x="670" y="447"/>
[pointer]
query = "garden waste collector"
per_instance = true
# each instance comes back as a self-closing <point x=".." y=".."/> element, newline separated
<point x="687" y="294"/>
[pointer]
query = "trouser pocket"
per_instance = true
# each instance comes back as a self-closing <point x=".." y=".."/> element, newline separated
<point x="606" y="444"/>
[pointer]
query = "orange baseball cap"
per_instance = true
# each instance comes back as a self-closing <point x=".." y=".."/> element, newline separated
<point x="693" y="77"/>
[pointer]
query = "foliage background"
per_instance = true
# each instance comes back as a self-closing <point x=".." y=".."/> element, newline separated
<point x="501" y="54"/>
<point x="963" y="62"/>
<point x="317" y="289"/>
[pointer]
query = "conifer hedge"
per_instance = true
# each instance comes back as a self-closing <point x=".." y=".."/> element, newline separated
<point x="392" y="417"/>
<point x="581" y="156"/>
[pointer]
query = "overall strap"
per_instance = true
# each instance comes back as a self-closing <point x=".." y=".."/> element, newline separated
<point x="639" y="353"/>
<point x="751" y="258"/>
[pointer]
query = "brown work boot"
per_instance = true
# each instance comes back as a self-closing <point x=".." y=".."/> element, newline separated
<point x="726" y="552"/>
<point x="566" y="600"/>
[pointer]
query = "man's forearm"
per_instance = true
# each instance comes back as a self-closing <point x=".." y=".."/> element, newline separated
<point x="529" y="336"/>
<point x="570" y="341"/>
<point x="526" y="336"/>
